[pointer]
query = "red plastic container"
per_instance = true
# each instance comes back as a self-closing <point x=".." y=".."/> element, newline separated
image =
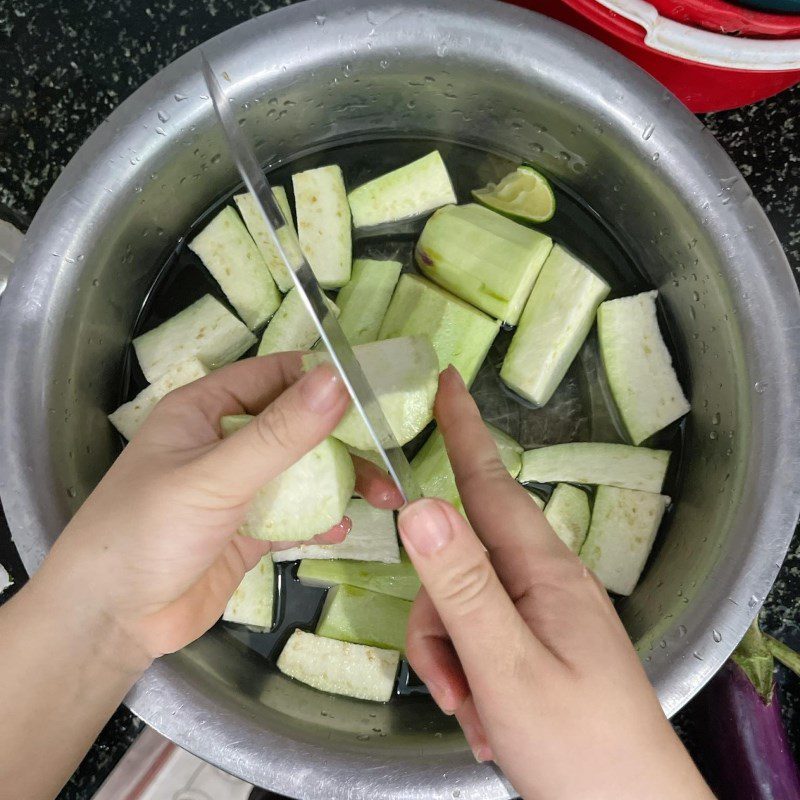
<point x="701" y="87"/>
<point x="722" y="17"/>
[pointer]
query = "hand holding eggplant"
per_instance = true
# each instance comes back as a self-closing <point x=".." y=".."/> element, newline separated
<point x="149" y="561"/>
<point x="513" y="635"/>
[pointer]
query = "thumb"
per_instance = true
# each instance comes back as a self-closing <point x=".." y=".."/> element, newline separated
<point x="459" y="578"/>
<point x="294" y="423"/>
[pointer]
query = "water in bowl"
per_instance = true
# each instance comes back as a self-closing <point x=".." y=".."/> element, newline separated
<point x="580" y="409"/>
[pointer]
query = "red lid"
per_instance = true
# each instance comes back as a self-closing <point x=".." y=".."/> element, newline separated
<point x="700" y="86"/>
<point x="721" y="17"/>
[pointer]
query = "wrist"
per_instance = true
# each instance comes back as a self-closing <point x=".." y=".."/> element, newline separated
<point x="74" y="602"/>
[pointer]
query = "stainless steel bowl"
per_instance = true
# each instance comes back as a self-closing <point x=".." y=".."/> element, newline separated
<point x="479" y="73"/>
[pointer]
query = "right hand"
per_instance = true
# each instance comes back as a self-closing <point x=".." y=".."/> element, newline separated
<point x="513" y="635"/>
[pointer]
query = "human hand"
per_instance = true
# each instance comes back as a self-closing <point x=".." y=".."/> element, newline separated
<point x="155" y="545"/>
<point x="518" y="639"/>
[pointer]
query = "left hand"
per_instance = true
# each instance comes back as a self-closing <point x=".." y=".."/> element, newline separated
<point x="155" y="545"/>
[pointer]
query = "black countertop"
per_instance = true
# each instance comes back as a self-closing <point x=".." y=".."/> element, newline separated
<point x="78" y="59"/>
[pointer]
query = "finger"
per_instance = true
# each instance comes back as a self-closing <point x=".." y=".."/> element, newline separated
<point x="335" y="535"/>
<point x="245" y="387"/>
<point x="466" y="592"/>
<point x="375" y="485"/>
<point x="432" y="656"/>
<point x="519" y="540"/>
<point x="202" y="604"/>
<point x="474" y="732"/>
<point x="297" y="421"/>
<point x="250" y="550"/>
<point x="189" y="417"/>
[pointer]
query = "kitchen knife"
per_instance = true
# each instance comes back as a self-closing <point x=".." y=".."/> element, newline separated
<point x="308" y="288"/>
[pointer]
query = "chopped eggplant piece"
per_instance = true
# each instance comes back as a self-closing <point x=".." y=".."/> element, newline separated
<point x="363" y="617"/>
<point x="231" y="256"/>
<point x="364" y="299"/>
<point x="252" y="602"/>
<point x="130" y="416"/>
<point x="483" y="258"/>
<point x="460" y="334"/>
<point x="409" y="191"/>
<point x="638" y="365"/>
<point x="404" y="375"/>
<point x="367" y="673"/>
<point x="556" y="320"/>
<point x="595" y="463"/>
<point x="307" y="499"/>
<point x="398" y="580"/>
<point x="251" y="214"/>
<point x="372" y="537"/>
<point x="323" y="224"/>
<point x="622" y="532"/>
<point x="205" y="330"/>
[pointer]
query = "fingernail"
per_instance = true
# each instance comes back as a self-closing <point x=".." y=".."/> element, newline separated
<point x="454" y="375"/>
<point x="322" y="389"/>
<point x="425" y="527"/>
<point x="442" y="698"/>
<point x="483" y="753"/>
<point x="474" y="736"/>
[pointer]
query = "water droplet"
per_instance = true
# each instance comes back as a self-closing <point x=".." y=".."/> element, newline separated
<point x="697" y="655"/>
<point x="180" y="97"/>
<point x="662" y="643"/>
<point x="712" y="435"/>
<point x="95" y="282"/>
<point x="696" y="296"/>
<point x="752" y="602"/>
<point x="716" y="636"/>
<point x="72" y="491"/>
<point x="215" y="158"/>
<point x="346" y="70"/>
<point x="537" y="148"/>
<point x="383" y="63"/>
<point x="648" y="131"/>
<point x="656" y="156"/>
<point x="163" y="116"/>
<point x="137" y="189"/>
<point x="760" y="386"/>
<point x="320" y="19"/>
<point x="363" y="737"/>
<point x="681" y="631"/>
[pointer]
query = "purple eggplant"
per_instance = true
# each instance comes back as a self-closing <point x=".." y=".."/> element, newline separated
<point x="744" y="750"/>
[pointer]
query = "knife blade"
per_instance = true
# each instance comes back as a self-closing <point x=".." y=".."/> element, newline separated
<point x="341" y="353"/>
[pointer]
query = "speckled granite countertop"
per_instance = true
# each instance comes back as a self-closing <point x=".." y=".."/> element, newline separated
<point x="78" y="59"/>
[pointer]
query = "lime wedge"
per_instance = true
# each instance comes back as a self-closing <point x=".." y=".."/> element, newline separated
<point x="524" y="195"/>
